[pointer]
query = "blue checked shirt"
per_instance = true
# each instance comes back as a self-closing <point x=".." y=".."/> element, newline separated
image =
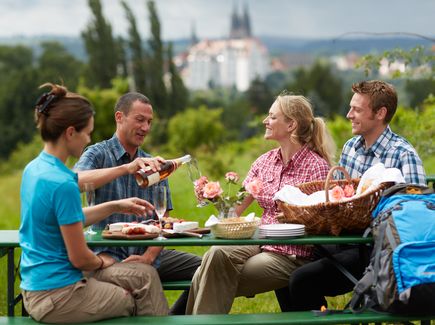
<point x="390" y="149"/>
<point x="111" y="153"/>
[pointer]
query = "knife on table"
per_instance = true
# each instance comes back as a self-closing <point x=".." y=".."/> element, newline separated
<point x="187" y="233"/>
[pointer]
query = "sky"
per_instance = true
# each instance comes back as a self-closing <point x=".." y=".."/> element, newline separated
<point x="211" y="18"/>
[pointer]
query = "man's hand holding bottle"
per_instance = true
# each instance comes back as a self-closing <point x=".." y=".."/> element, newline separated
<point x="153" y="164"/>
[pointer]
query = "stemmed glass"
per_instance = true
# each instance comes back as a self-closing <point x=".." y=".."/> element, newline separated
<point x="159" y="202"/>
<point x="194" y="174"/>
<point x="88" y="200"/>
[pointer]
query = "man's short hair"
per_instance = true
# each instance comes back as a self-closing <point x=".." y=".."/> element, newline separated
<point x="125" y="102"/>
<point x="381" y="94"/>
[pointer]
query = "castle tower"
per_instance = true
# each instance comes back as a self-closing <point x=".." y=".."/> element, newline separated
<point x="247" y="21"/>
<point x="240" y="24"/>
<point x="193" y="38"/>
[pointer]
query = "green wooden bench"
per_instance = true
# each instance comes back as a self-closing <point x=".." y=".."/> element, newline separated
<point x="288" y="318"/>
<point x="176" y="285"/>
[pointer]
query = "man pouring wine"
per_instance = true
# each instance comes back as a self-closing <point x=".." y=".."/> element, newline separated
<point x="133" y="117"/>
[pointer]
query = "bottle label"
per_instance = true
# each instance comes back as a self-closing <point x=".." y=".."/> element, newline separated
<point x="153" y="178"/>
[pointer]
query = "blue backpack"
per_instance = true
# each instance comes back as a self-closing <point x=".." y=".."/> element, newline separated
<point x="401" y="275"/>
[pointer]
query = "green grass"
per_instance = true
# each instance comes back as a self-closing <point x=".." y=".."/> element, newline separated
<point x="184" y="207"/>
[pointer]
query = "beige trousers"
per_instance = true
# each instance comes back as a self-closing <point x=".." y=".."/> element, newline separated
<point x="122" y="289"/>
<point x="227" y="272"/>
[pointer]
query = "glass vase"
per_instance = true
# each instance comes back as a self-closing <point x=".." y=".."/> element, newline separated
<point x="226" y="212"/>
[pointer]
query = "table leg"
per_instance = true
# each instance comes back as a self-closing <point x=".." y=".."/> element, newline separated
<point x="11" y="282"/>
<point x="342" y="269"/>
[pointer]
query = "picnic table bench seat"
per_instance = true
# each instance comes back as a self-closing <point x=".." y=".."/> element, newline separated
<point x="287" y="318"/>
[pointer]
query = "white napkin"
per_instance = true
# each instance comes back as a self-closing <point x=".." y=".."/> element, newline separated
<point x="293" y="195"/>
<point x="378" y="174"/>
<point x="213" y="220"/>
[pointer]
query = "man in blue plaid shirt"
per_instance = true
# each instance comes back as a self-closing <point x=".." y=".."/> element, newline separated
<point x="111" y="165"/>
<point x="371" y="109"/>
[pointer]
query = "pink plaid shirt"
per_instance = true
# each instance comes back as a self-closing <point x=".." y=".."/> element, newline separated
<point x="305" y="166"/>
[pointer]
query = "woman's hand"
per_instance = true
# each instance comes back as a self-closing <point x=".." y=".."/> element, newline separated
<point x="135" y="206"/>
<point x="107" y="260"/>
<point x="142" y="163"/>
<point x="147" y="258"/>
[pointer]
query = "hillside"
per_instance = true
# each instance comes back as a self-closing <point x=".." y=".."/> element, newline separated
<point x="276" y="45"/>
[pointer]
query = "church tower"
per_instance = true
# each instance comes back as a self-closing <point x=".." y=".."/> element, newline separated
<point x="240" y="24"/>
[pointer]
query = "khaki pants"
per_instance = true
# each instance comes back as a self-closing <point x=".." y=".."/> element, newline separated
<point x="227" y="272"/>
<point x="122" y="289"/>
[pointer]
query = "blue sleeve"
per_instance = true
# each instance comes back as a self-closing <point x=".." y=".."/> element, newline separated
<point x="92" y="158"/>
<point x="412" y="168"/>
<point x="67" y="204"/>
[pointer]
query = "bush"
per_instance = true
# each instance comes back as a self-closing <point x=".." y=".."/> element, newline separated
<point x="195" y="128"/>
<point x="417" y="126"/>
<point x="22" y="155"/>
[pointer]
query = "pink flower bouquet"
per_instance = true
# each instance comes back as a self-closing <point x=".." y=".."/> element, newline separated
<point x="212" y="192"/>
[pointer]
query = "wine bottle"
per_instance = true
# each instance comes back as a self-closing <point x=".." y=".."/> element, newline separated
<point x="146" y="177"/>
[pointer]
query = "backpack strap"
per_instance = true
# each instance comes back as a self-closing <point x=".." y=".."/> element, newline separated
<point x="360" y="301"/>
<point x="405" y="188"/>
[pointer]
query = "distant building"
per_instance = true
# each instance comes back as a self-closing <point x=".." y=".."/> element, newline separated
<point x="232" y="62"/>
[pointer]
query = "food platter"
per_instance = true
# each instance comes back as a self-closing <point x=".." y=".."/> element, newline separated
<point x="107" y="234"/>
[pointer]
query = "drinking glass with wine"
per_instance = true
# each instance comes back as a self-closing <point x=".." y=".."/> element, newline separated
<point x="159" y="202"/>
<point x="88" y="200"/>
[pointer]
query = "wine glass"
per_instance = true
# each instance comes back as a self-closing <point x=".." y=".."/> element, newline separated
<point x="159" y="202"/>
<point x="194" y="174"/>
<point x="88" y="200"/>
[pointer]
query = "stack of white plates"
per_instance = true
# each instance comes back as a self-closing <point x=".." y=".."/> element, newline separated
<point x="281" y="230"/>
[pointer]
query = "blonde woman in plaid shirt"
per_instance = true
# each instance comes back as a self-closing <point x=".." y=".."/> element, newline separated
<point x="304" y="154"/>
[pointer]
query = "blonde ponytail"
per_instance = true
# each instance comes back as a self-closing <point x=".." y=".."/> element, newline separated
<point x="311" y="130"/>
<point x="321" y="141"/>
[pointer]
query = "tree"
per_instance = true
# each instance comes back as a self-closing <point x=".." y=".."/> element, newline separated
<point x="18" y="91"/>
<point x="178" y="94"/>
<point x="195" y="128"/>
<point x="57" y="65"/>
<point x="259" y="96"/>
<point x="103" y="101"/>
<point x="101" y="48"/>
<point x="136" y="63"/>
<point x="419" y="90"/>
<point x="418" y="61"/>
<point x="321" y="86"/>
<point x="157" y="86"/>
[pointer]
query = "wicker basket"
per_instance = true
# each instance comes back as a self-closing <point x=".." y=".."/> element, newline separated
<point x="352" y="216"/>
<point x="235" y="230"/>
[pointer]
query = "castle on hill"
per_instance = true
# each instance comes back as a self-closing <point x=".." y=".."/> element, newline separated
<point x="231" y="62"/>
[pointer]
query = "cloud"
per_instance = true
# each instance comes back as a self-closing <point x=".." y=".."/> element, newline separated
<point x="290" y="18"/>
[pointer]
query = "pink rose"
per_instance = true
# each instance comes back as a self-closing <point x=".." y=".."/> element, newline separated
<point x="336" y="193"/>
<point x="199" y="187"/>
<point x="254" y="188"/>
<point x="212" y="190"/>
<point x="232" y="177"/>
<point x="349" y="191"/>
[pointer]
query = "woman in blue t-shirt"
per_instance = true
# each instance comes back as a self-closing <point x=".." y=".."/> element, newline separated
<point x="54" y="250"/>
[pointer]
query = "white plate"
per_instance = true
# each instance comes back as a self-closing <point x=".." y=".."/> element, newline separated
<point x="288" y="236"/>
<point x="281" y="232"/>
<point x="282" y="226"/>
